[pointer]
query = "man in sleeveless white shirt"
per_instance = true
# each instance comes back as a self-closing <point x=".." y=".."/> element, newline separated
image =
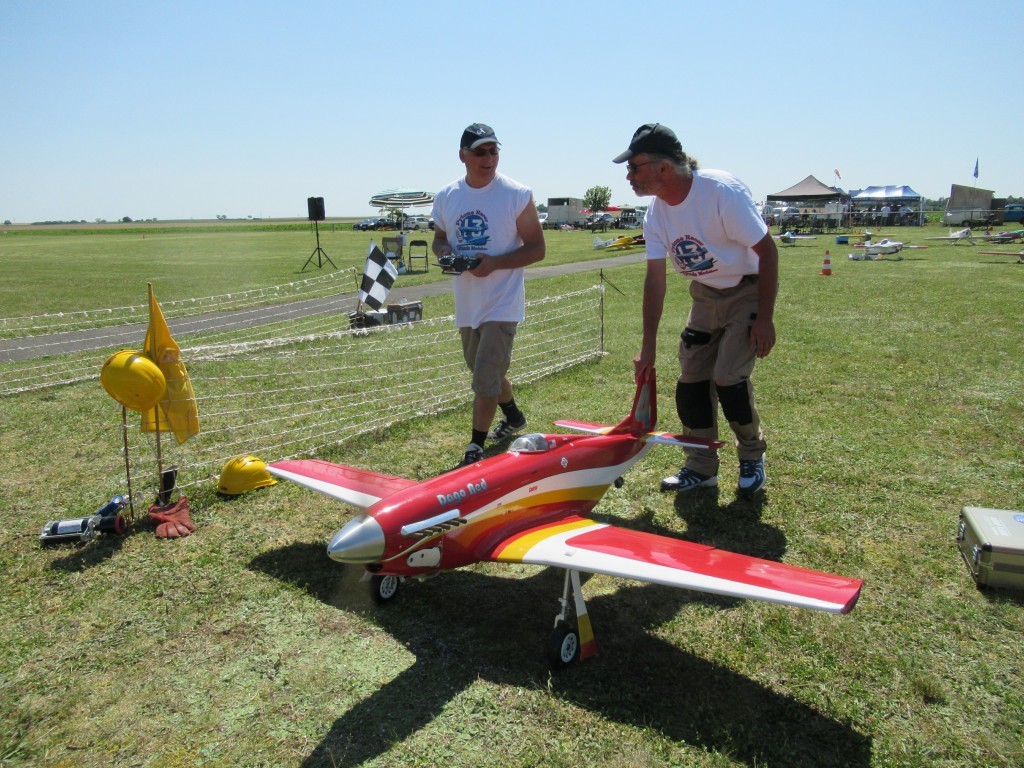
<point x="706" y="225"/>
<point x="491" y="219"/>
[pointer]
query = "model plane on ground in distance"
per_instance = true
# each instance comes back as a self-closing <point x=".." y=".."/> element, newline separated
<point x="531" y="505"/>
<point x="1020" y="255"/>
<point x="959" y="236"/>
<point x="1013" y="236"/>
<point x="625" y="242"/>
<point x="788" y="238"/>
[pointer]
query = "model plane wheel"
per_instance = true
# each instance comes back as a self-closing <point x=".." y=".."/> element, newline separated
<point x="564" y="646"/>
<point x="383" y="588"/>
<point x="619" y="482"/>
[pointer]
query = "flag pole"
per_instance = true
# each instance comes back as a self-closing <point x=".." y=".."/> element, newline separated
<point x="159" y="447"/>
<point x="127" y="464"/>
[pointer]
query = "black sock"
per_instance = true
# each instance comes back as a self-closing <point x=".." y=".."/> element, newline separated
<point x="511" y="411"/>
<point x="479" y="437"/>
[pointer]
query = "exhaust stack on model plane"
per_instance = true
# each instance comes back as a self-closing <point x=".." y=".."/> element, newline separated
<point x="530" y="505"/>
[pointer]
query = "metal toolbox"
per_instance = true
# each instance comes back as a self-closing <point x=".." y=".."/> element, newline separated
<point x="992" y="544"/>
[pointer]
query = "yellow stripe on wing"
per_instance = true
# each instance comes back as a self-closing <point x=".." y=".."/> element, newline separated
<point x="515" y="550"/>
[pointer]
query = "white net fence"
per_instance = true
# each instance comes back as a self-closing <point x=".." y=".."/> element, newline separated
<point x="66" y="347"/>
<point x="292" y="395"/>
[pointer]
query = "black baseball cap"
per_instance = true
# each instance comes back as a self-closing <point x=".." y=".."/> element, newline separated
<point x="477" y="134"/>
<point x="654" y="138"/>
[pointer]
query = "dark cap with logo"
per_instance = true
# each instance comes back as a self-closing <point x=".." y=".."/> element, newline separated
<point x="477" y="134"/>
<point x="654" y="138"/>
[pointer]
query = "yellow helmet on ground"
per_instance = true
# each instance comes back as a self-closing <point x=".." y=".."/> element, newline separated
<point x="133" y="380"/>
<point x="243" y="473"/>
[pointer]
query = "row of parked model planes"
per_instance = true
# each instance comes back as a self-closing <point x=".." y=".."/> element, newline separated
<point x="871" y="250"/>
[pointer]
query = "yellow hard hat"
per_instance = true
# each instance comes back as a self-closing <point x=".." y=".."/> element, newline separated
<point x="243" y="473"/>
<point x="133" y="380"/>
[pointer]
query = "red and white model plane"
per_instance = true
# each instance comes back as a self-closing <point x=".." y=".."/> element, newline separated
<point x="530" y="505"/>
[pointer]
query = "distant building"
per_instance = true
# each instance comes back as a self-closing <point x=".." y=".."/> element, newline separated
<point x="565" y="210"/>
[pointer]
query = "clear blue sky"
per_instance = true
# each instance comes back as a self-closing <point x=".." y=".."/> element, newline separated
<point x="192" y="109"/>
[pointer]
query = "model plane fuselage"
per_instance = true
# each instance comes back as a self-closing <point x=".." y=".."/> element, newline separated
<point x="460" y="517"/>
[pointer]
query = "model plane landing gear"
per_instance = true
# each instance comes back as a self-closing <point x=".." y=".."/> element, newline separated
<point x="563" y="647"/>
<point x="384" y="588"/>
<point x="568" y="643"/>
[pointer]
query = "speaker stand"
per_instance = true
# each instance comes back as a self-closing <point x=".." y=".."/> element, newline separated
<point x="318" y="252"/>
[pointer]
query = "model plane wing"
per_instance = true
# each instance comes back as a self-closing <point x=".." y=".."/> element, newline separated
<point x="358" y="487"/>
<point x="582" y="544"/>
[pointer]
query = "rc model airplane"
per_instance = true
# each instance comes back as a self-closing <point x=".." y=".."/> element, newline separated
<point x="1005" y="237"/>
<point x="622" y="243"/>
<point x="530" y="505"/>
<point x="957" y="237"/>
<point x="788" y="238"/>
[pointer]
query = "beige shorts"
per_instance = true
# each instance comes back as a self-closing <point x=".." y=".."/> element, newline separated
<point x="488" y="353"/>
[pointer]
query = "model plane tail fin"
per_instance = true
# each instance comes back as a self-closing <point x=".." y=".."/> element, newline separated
<point x="644" y="415"/>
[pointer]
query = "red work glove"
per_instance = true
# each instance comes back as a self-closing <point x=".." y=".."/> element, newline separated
<point x="172" y="520"/>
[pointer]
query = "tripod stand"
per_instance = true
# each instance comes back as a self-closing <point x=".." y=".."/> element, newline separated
<point x="319" y="252"/>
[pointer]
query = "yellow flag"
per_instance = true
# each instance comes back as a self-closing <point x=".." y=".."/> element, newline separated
<point x="178" y="412"/>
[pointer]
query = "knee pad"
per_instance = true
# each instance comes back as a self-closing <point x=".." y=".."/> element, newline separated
<point x="735" y="400"/>
<point x="693" y="338"/>
<point x="693" y="404"/>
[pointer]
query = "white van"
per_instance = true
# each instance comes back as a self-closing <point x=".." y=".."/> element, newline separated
<point x="418" y="223"/>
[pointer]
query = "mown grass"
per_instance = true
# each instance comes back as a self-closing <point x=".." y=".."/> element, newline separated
<point x="892" y="400"/>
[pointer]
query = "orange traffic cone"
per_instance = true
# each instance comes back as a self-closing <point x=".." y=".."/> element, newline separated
<point x="826" y="268"/>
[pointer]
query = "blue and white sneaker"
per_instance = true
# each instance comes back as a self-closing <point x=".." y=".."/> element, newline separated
<point x="687" y="480"/>
<point x="752" y="477"/>
<point x="474" y="453"/>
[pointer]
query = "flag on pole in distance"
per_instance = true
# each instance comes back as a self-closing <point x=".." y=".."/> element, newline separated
<point x="975" y="167"/>
<point x="837" y="173"/>
<point x="378" y="277"/>
<point x="177" y="411"/>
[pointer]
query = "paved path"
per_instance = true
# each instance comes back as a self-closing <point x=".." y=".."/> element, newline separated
<point x="12" y="350"/>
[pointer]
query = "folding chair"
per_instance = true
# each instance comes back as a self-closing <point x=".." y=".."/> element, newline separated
<point x="392" y="247"/>
<point x="425" y="255"/>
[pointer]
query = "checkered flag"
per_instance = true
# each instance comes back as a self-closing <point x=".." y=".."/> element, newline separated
<point x="378" y="277"/>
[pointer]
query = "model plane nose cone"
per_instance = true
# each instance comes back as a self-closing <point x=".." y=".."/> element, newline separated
<point x="361" y="540"/>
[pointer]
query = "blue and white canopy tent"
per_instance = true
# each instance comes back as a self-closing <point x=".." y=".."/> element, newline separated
<point x="893" y="194"/>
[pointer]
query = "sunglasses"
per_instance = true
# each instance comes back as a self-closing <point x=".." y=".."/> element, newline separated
<point x="482" y="152"/>
<point x="633" y="168"/>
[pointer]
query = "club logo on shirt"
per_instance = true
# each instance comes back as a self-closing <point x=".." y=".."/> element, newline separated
<point x="691" y="257"/>
<point x="471" y="230"/>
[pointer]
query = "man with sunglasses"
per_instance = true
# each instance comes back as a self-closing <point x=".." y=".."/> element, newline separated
<point x="706" y="224"/>
<point x="491" y="221"/>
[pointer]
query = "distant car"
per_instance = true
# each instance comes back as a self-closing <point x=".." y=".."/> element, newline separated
<point x="383" y="224"/>
<point x="968" y="217"/>
<point x="786" y="213"/>
<point x="1014" y="212"/>
<point x="364" y="225"/>
<point x="418" y="223"/>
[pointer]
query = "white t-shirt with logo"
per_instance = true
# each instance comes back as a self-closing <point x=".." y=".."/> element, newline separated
<point x="483" y="221"/>
<point x="709" y="236"/>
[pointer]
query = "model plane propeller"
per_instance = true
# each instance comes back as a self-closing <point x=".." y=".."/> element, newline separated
<point x="531" y="505"/>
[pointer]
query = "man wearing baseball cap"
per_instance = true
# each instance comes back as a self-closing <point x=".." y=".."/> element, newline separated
<point x="705" y="224"/>
<point x="491" y="220"/>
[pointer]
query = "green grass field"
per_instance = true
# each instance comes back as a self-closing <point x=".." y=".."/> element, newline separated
<point x="893" y="399"/>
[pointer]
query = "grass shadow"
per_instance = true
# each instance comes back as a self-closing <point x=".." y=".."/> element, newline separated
<point x="637" y="679"/>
